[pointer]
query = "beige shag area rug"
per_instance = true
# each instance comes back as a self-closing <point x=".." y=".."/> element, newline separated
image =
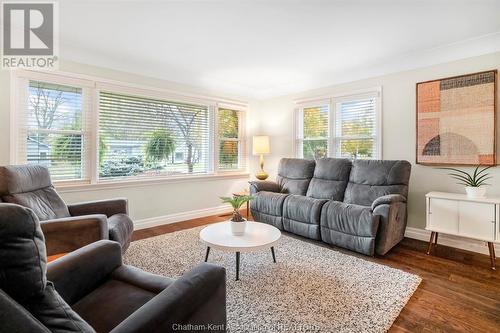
<point x="311" y="288"/>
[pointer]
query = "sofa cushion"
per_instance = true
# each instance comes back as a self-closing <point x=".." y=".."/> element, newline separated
<point x="55" y="314"/>
<point x="111" y="303"/>
<point x="330" y="179"/>
<point x="301" y="215"/>
<point x="267" y="207"/>
<point x="294" y="175"/>
<point x="370" y="179"/>
<point x="350" y="226"/>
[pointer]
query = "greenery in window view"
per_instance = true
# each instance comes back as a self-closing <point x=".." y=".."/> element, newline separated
<point x="186" y="121"/>
<point x="152" y="136"/>
<point x="159" y="147"/>
<point x="358" y="148"/>
<point x="54" y="109"/>
<point x="44" y="101"/>
<point x="315" y="144"/>
<point x="359" y="130"/>
<point x="68" y="147"/>
<point x="228" y="129"/>
<point x="137" y="135"/>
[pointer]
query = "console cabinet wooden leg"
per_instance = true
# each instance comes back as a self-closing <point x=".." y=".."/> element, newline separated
<point x="491" y="247"/>
<point x="433" y="234"/>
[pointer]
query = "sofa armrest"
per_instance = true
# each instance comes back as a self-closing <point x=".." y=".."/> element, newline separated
<point x="71" y="233"/>
<point x="264" y="185"/>
<point x="107" y="207"/>
<point x="392" y="225"/>
<point x="197" y="298"/>
<point x="81" y="271"/>
<point x="388" y="199"/>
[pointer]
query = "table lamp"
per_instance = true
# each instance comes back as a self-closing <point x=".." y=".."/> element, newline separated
<point x="260" y="147"/>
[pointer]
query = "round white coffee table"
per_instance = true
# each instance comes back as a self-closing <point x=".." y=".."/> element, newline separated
<point x="257" y="236"/>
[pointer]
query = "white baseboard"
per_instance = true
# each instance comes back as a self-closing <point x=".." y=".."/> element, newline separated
<point x="178" y="217"/>
<point x="449" y="240"/>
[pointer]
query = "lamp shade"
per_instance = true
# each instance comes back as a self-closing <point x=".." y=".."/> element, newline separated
<point x="261" y="145"/>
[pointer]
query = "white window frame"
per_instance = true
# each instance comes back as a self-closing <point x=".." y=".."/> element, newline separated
<point x="91" y="87"/>
<point x="18" y="114"/>
<point x="242" y="149"/>
<point x="299" y="126"/>
<point x="331" y="101"/>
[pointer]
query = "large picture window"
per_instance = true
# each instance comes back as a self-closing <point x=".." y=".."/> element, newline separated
<point x="88" y="132"/>
<point x="145" y="137"/>
<point x="347" y="127"/>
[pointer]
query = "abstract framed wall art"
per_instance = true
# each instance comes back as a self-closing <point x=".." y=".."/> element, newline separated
<point x="456" y="120"/>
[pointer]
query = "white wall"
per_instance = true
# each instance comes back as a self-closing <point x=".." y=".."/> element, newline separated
<point x="146" y="201"/>
<point x="399" y="137"/>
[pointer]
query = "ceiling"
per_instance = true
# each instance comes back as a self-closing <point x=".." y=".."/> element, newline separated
<point x="262" y="49"/>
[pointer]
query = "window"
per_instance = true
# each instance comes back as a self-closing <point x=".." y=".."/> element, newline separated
<point x="88" y="131"/>
<point x="346" y="126"/>
<point x="355" y="129"/>
<point x="54" y="133"/>
<point x="314" y="133"/>
<point x="139" y="137"/>
<point x="230" y="144"/>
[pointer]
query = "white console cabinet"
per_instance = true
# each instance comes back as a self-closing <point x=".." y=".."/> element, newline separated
<point x="457" y="214"/>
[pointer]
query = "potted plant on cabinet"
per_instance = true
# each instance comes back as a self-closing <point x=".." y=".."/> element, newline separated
<point x="474" y="181"/>
<point x="238" y="223"/>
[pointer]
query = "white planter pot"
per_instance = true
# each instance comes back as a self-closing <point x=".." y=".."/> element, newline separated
<point x="475" y="192"/>
<point x="238" y="228"/>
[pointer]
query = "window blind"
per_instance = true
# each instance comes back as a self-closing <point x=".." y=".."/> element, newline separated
<point x="232" y="154"/>
<point x="355" y="129"/>
<point x="52" y="129"/>
<point x="141" y="136"/>
<point x="314" y="131"/>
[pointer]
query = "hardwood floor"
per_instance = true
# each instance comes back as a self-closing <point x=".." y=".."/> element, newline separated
<point x="459" y="291"/>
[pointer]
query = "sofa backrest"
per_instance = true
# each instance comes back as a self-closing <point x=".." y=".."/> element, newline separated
<point x="23" y="274"/>
<point x="294" y="175"/>
<point x="23" y="258"/>
<point x="30" y="186"/>
<point x="330" y="179"/>
<point x="370" y="179"/>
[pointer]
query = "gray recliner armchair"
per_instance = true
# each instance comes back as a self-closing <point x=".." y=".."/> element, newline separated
<point x="359" y="205"/>
<point x="66" y="227"/>
<point x="90" y="290"/>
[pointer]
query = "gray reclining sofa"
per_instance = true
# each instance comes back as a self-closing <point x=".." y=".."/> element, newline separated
<point x="359" y="205"/>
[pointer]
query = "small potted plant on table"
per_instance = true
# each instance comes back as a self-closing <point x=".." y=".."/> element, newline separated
<point x="238" y="223"/>
<point x="474" y="182"/>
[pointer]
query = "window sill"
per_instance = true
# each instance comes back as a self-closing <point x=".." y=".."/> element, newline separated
<point x="66" y="187"/>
